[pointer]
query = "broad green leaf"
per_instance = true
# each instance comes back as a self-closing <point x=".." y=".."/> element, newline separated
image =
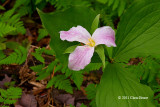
<point x="117" y="2"/>
<point x="138" y="32"/>
<point x="121" y="7"/>
<point x="110" y="2"/>
<point x="95" y="24"/>
<point x="109" y="50"/>
<point x="100" y="51"/>
<point x="70" y="49"/>
<point x="63" y="21"/>
<point x="118" y="86"/>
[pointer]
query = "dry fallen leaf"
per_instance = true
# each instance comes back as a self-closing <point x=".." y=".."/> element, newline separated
<point x="27" y="100"/>
<point x="6" y="79"/>
<point x="67" y="99"/>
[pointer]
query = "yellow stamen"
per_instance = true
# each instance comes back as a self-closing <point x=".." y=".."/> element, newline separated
<point x="91" y="42"/>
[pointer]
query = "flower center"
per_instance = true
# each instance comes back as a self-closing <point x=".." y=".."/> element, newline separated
<point x="91" y="42"/>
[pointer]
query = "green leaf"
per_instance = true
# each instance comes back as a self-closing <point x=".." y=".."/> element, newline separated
<point x="95" y="24"/>
<point x="51" y="66"/>
<point x="121" y="7"/>
<point x="100" y="50"/>
<point x="118" y="86"/>
<point x="71" y="105"/>
<point x="17" y="57"/>
<point x="58" y="68"/>
<point x="109" y="50"/>
<point x="2" y="46"/>
<point x="6" y="29"/>
<point x="82" y="105"/>
<point x="91" y="91"/>
<point x="37" y="68"/>
<point x="63" y="21"/>
<point x="138" y="32"/>
<point x="70" y="49"/>
<point x="61" y="82"/>
<point x="116" y="4"/>
<point x="42" y="34"/>
<point x="1" y="99"/>
<point x="92" y="67"/>
<point x="77" y="78"/>
<point x="38" y="57"/>
<point x="2" y="8"/>
<point x="2" y="55"/>
<point x="103" y="1"/>
<point x="12" y="45"/>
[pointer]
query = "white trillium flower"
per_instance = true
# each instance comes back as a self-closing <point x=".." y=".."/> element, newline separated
<point x="82" y="55"/>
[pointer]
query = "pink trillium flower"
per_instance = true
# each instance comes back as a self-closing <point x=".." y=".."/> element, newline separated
<point x="82" y="55"/>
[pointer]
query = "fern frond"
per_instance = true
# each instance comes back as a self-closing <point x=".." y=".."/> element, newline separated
<point x="41" y="72"/>
<point x="91" y="94"/>
<point x="38" y="57"/>
<point x="6" y="29"/>
<point x="37" y="68"/>
<point x="10" y="23"/>
<point x="42" y="34"/>
<point x="61" y="82"/>
<point x="77" y="78"/>
<point x="64" y="4"/>
<point x="120" y="5"/>
<point x="24" y="10"/>
<point x="20" y="3"/>
<point x="10" y="95"/>
<point x="92" y="67"/>
<point x="17" y="93"/>
<point x="148" y="70"/>
<point x="38" y="1"/>
<point x="17" y="57"/>
<point x="5" y="17"/>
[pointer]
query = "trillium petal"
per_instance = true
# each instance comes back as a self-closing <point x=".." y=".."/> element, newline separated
<point x="78" y="33"/>
<point x="80" y="57"/>
<point x="104" y="35"/>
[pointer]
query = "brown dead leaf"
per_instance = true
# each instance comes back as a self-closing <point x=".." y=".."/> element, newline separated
<point x="67" y="99"/>
<point x="6" y="79"/>
<point x="27" y="100"/>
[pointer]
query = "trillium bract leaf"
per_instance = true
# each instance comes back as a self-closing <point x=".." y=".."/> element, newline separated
<point x="138" y="32"/>
<point x="118" y="86"/>
<point x="63" y="21"/>
<point x="95" y="24"/>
